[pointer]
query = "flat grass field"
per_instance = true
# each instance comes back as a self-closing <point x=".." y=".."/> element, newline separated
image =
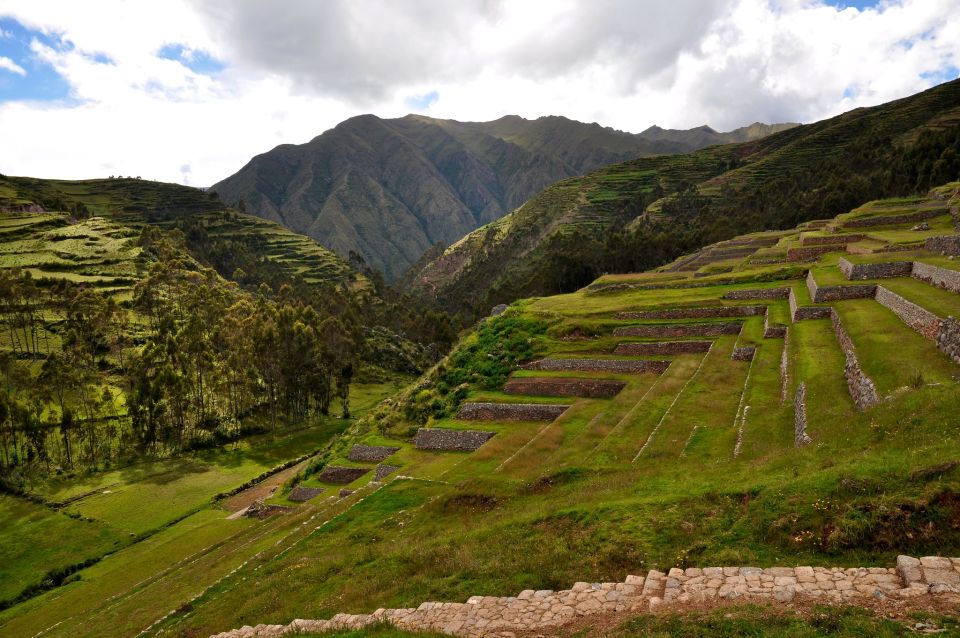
<point x="694" y="466"/>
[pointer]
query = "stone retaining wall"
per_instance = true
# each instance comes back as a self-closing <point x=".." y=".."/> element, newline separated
<point x="662" y="347"/>
<point x="936" y="276"/>
<point x="695" y="313"/>
<point x="627" y="366"/>
<point x="854" y="271"/>
<point x="530" y="610"/>
<point x="370" y="453"/>
<point x="785" y="367"/>
<point x="773" y="331"/>
<point x="834" y="240"/>
<point x="744" y="353"/>
<point x="452" y="440"/>
<point x="341" y="475"/>
<point x="810" y="253"/>
<point x="889" y="220"/>
<point x="920" y="319"/>
<point x="948" y="340"/>
<point x="383" y="471"/>
<point x="554" y="387"/>
<point x="862" y="389"/>
<point x="758" y="293"/>
<point x="510" y="411"/>
<point x="802" y="313"/>
<point x="820" y="294"/>
<point x="944" y="244"/>
<point x="301" y="494"/>
<point x="800" y="436"/>
<point x="680" y="330"/>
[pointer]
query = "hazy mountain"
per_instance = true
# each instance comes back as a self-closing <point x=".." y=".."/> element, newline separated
<point x="391" y="189"/>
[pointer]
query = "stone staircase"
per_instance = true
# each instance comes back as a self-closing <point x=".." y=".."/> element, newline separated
<point x="533" y="610"/>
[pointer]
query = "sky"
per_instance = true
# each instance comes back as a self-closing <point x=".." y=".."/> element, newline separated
<point x="189" y="90"/>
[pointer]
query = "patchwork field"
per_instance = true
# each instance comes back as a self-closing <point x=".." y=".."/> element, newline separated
<point x="816" y="426"/>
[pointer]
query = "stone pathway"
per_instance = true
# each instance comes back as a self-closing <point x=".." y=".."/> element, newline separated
<point x="531" y="610"/>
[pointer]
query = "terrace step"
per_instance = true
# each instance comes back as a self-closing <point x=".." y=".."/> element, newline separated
<point x="565" y="387"/>
<point x="444" y="439"/>
<point x="694" y="313"/>
<point x="662" y="347"/>
<point x="510" y="411"/>
<point x="626" y="366"/>
<point x="680" y="330"/>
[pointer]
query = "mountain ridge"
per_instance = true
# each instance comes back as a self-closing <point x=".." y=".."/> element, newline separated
<point x="390" y="189"/>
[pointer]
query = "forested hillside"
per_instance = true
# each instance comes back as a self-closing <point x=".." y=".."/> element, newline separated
<point x="645" y="212"/>
<point x="390" y="189"/>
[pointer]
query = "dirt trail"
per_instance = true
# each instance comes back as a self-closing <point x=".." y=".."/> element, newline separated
<point x="237" y="503"/>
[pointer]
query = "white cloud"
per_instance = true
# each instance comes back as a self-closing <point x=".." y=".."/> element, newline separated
<point x="9" y="65"/>
<point x="293" y="70"/>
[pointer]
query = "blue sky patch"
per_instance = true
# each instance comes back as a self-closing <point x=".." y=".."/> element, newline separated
<point x="855" y="4"/>
<point x="197" y="61"/>
<point x="422" y="102"/>
<point x="41" y="82"/>
<point x="943" y="75"/>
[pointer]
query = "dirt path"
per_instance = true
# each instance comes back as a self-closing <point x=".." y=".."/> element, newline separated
<point x="237" y="503"/>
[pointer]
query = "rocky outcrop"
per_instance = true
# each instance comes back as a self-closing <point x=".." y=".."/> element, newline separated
<point x="944" y="244"/>
<point x="666" y="330"/>
<point x="565" y="387"/>
<point x="626" y="366"/>
<point x="510" y="411"/>
<point x="536" y="610"/>
<point x="661" y="348"/>
<point x="341" y="475"/>
<point x="880" y="270"/>
<point x="862" y="389"/>
<point x="758" y="293"/>
<point x="800" y="436"/>
<point x="450" y="440"/>
<point x="936" y="276"/>
<point x="370" y="453"/>
<point x="711" y="312"/>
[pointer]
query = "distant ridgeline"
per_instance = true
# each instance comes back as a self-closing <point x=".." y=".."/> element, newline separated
<point x="389" y="190"/>
<point x="142" y="317"/>
<point x="642" y="213"/>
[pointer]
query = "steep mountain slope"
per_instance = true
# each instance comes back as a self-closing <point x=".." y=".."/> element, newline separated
<point x="645" y="212"/>
<point x="391" y="189"/>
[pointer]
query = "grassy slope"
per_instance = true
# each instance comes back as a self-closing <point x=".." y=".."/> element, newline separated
<point x="503" y="260"/>
<point x="542" y="505"/>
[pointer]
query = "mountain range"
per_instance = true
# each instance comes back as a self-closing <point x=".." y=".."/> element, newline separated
<point x="390" y="189"/>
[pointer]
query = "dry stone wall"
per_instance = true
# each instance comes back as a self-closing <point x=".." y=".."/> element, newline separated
<point x="573" y="387"/>
<point x="854" y="271"/>
<point x="744" y="353"/>
<point x="920" y="319"/>
<point x="341" y="475"/>
<point x="535" y="610"/>
<point x="370" y="453"/>
<point x="802" y="313"/>
<point x="862" y="389"/>
<point x="800" y="436"/>
<point x="944" y="244"/>
<point x="383" y="471"/>
<point x="889" y="220"/>
<point x="450" y="440"/>
<point x="773" y="331"/>
<point x="820" y="294"/>
<point x="936" y="276"/>
<point x="626" y="366"/>
<point x="809" y="253"/>
<point x="301" y="494"/>
<point x="695" y="313"/>
<point x="785" y="367"/>
<point x="680" y="330"/>
<point x="661" y="348"/>
<point x="833" y="240"/>
<point x="758" y="293"/>
<point x="510" y="411"/>
<point x="948" y="339"/>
